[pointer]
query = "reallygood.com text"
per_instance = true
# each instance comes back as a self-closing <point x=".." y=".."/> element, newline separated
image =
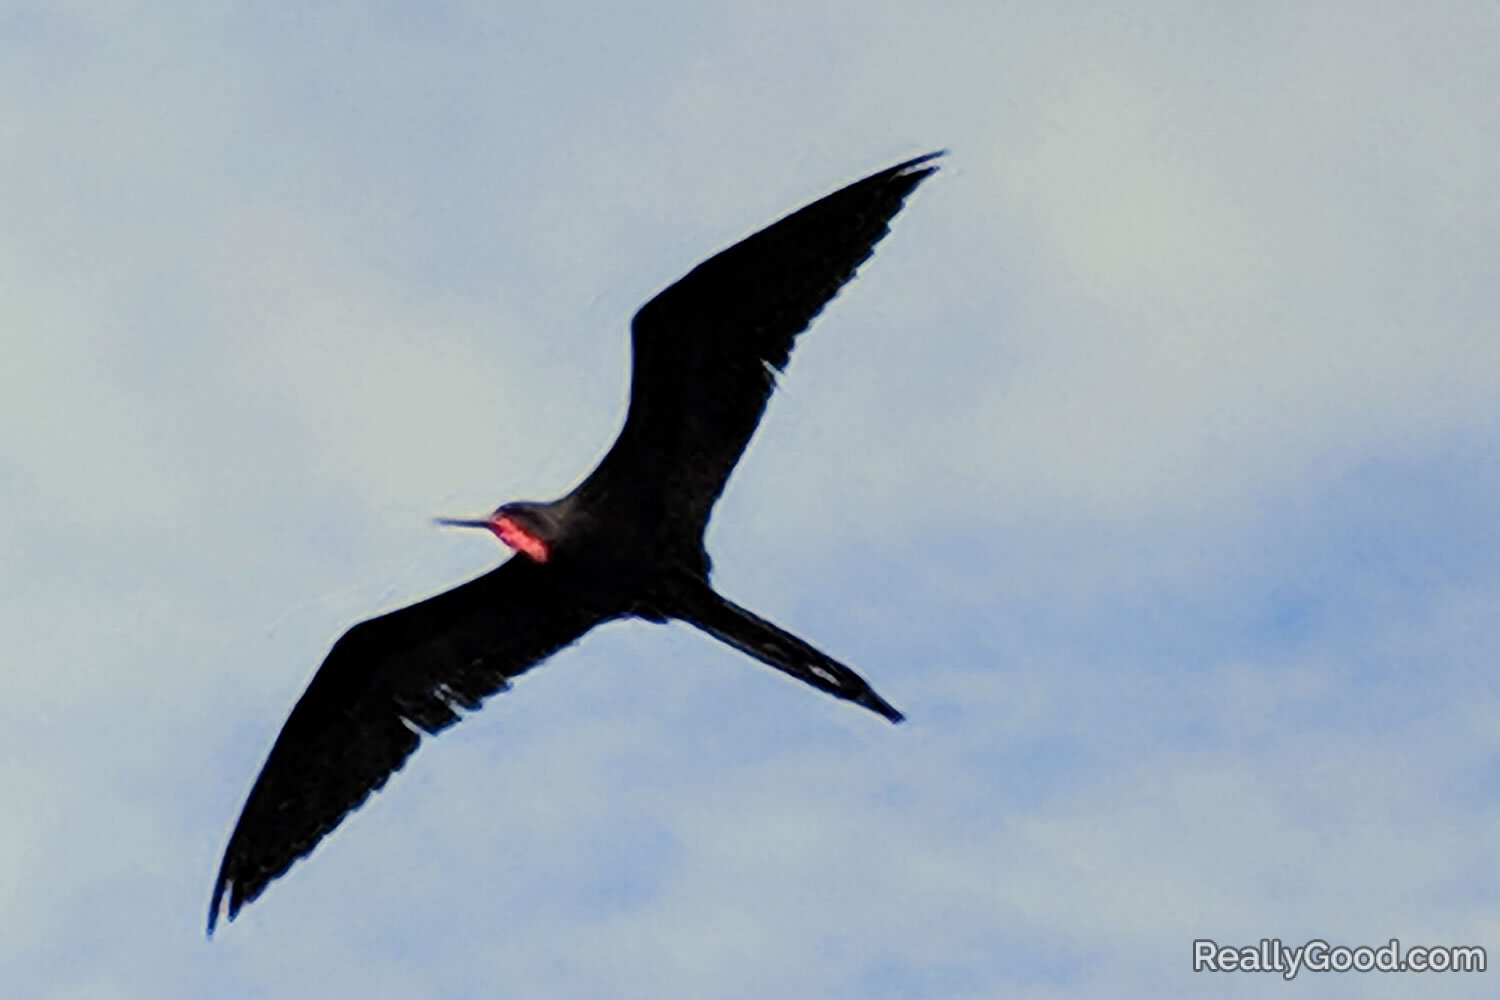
<point x="1270" y="955"/>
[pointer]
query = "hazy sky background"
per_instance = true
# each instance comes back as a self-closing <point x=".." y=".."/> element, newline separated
<point x="1150" y="468"/>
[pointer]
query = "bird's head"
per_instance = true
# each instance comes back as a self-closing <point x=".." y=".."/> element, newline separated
<point x="526" y="527"/>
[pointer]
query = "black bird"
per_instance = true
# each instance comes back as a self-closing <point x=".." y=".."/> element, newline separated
<point x="628" y="541"/>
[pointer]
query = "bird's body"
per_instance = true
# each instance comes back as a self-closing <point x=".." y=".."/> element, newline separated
<point x="627" y="542"/>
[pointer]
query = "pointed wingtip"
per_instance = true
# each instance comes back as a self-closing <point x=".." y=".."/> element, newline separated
<point x="922" y="165"/>
<point x="214" y="907"/>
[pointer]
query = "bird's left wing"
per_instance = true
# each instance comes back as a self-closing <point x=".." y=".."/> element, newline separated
<point x="385" y="683"/>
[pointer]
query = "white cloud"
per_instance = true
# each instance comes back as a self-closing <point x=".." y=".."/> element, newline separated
<point x="1145" y="468"/>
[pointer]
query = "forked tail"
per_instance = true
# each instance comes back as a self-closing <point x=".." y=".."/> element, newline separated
<point x="776" y="647"/>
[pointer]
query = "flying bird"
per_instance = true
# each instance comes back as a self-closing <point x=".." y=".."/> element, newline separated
<point x="626" y="542"/>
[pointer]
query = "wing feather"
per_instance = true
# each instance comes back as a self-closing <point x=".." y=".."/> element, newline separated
<point x="386" y="683"/>
<point x="708" y="349"/>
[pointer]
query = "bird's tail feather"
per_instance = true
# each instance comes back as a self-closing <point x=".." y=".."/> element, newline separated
<point x="776" y="647"/>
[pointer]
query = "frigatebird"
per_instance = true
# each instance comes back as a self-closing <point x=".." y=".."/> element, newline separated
<point x="626" y="542"/>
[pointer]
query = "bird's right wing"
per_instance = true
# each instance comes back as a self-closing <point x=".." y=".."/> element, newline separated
<point x="387" y="681"/>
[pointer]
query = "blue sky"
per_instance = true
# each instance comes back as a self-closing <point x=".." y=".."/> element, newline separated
<point x="1150" y="468"/>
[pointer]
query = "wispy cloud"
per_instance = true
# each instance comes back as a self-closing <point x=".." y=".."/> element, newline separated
<point x="1148" y="467"/>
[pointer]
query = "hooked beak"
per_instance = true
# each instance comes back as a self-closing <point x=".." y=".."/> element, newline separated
<point x="461" y="522"/>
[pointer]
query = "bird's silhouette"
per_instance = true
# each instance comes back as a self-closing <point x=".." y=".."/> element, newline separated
<point x="628" y="541"/>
